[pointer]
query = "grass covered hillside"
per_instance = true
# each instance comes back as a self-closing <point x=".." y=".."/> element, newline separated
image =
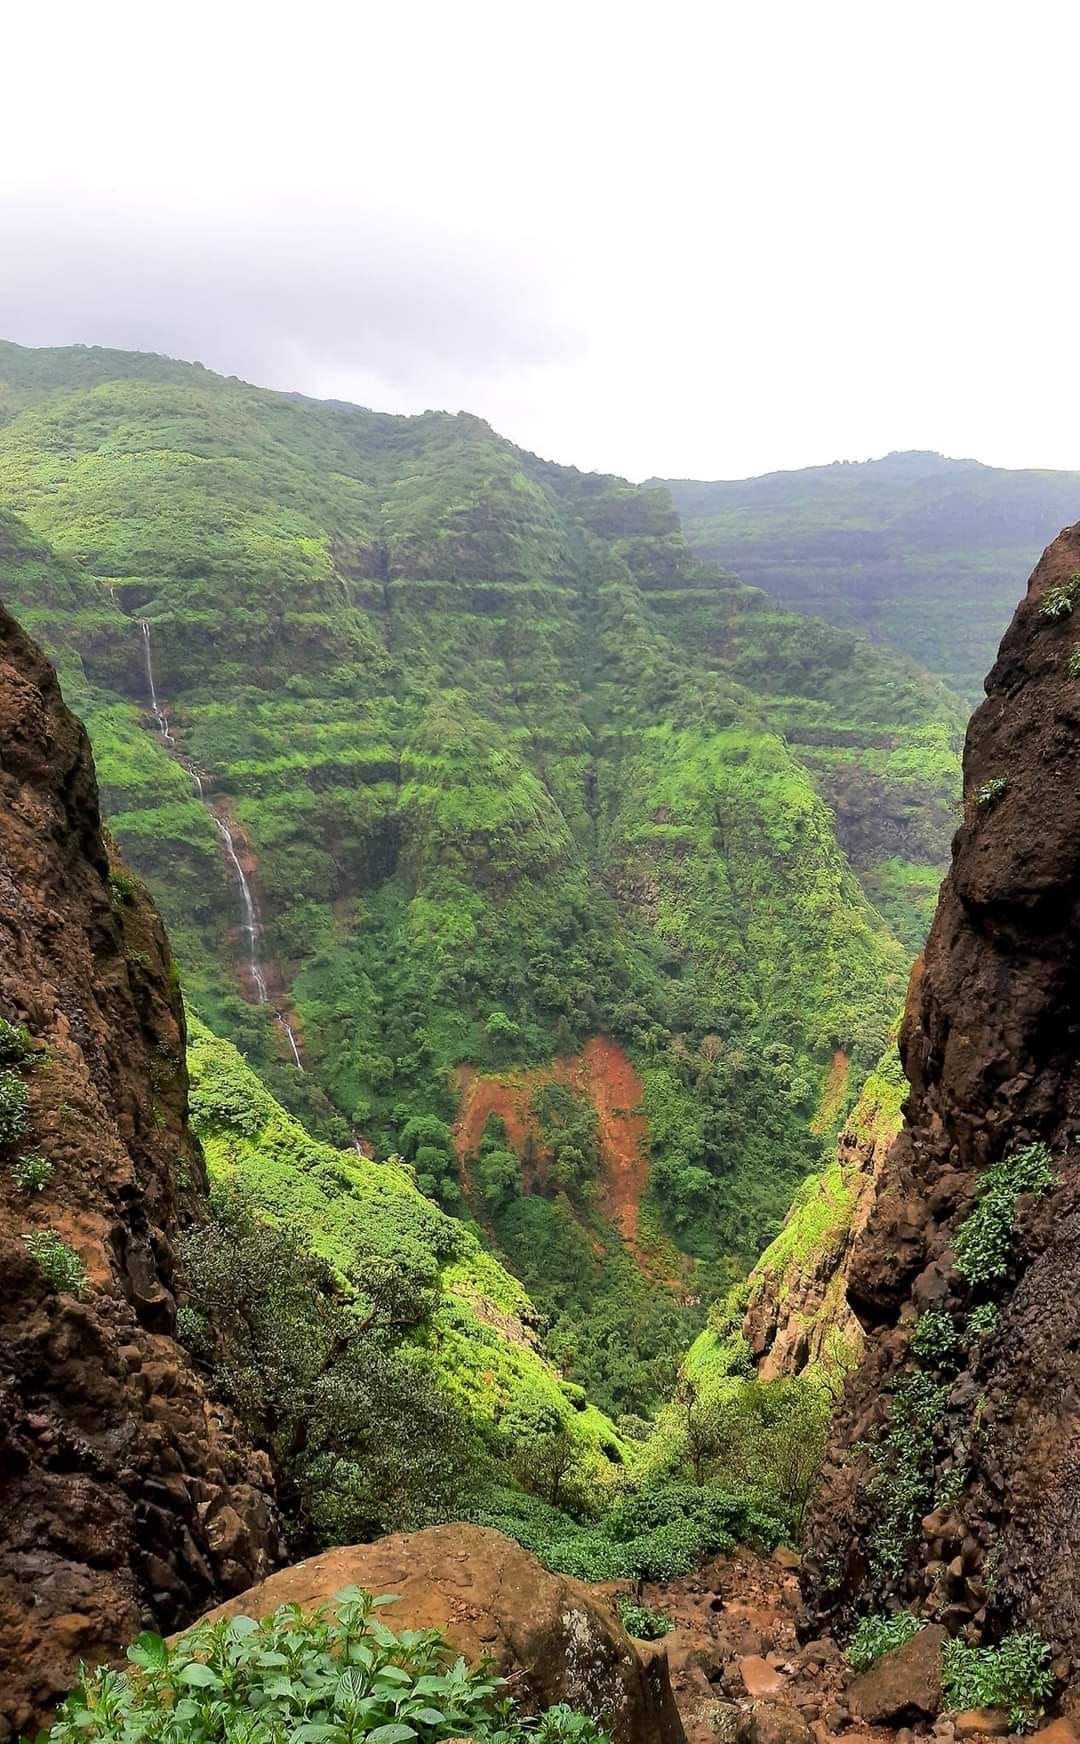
<point x="922" y="552"/>
<point x="440" y="757"/>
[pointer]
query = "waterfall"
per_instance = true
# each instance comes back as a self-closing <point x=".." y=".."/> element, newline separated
<point x="251" y="926"/>
<point x="159" y="714"/>
<point x="250" y="923"/>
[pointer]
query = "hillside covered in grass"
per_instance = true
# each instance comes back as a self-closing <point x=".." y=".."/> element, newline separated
<point x="915" y="550"/>
<point x="439" y="757"/>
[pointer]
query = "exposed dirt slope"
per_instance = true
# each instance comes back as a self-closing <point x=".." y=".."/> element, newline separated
<point x="125" y="1498"/>
<point x="991" y="1046"/>
<point x="602" y="1073"/>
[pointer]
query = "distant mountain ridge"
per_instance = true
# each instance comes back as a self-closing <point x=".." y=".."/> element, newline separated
<point x="915" y="549"/>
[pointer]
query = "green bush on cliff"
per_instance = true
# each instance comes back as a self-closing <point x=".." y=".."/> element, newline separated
<point x="1015" y="1676"/>
<point x="15" y="1044"/>
<point x="14" y="1107"/>
<point x="873" y="1636"/>
<point x="315" y="1679"/>
<point x="984" y="1240"/>
<point x="58" y="1263"/>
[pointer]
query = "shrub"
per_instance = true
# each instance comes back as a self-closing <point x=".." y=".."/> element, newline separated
<point x="1058" y="602"/>
<point x="1015" y="1676"/>
<point x="991" y="791"/>
<point x="981" y="1322"/>
<point x="900" y="1483"/>
<point x="14" y="1107"/>
<point x="59" y="1264"/>
<point x="1072" y="665"/>
<point x="123" y="889"/>
<point x="873" y="1636"/>
<point x="31" y="1173"/>
<point x="15" y="1044"/>
<point x="984" y="1240"/>
<point x="339" y="1679"/>
<point x="643" y="1624"/>
<point x="935" y="1340"/>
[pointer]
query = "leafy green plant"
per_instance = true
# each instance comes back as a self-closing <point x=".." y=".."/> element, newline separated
<point x="981" y="1322"/>
<point x="15" y="1044"/>
<point x="935" y="1341"/>
<point x="1072" y="664"/>
<point x="984" y="1240"/>
<point x="1015" y="1676"/>
<point x="1058" y="602"/>
<point x="873" y="1636"/>
<point x="31" y="1173"/>
<point x="902" y="1464"/>
<point x="311" y="1679"/>
<point x="59" y="1263"/>
<point x="991" y="791"/>
<point x="642" y="1623"/>
<point x="14" y="1107"/>
<point x="123" y="889"/>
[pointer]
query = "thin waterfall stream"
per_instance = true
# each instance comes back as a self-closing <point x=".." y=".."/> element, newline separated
<point x="251" y="924"/>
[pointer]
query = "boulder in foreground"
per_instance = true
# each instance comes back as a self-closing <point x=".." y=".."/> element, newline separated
<point x="550" y="1636"/>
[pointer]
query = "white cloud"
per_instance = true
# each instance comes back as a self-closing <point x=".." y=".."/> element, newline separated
<point x="697" y="239"/>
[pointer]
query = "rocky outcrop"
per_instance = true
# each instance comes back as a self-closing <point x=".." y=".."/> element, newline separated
<point x="554" y="1639"/>
<point x="798" y="1314"/>
<point x="126" y="1498"/>
<point x="991" y="1047"/>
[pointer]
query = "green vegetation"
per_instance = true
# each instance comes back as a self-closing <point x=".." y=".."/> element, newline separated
<point x="664" y="1531"/>
<point x="873" y="1636"/>
<point x="642" y="1623"/>
<point x="59" y="1264"/>
<point x="991" y="791"/>
<point x="31" y="1173"/>
<point x="1057" y="602"/>
<point x="14" y="1107"/>
<point x="901" y="1484"/>
<point x="339" y="1678"/>
<point x="927" y="554"/>
<point x="984" y="1240"/>
<point x="509" y="768"/>
<point x="15" y="1045"/>
<point x="1015" y="1676"/>
<point x="392" y="1363"/>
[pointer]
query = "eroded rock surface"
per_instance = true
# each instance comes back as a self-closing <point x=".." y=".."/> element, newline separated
<point x="991" y="1046"/>
<point x="126" y="1498"/>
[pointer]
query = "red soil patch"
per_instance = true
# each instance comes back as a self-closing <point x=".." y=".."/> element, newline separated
<point x="601" y="1072"/>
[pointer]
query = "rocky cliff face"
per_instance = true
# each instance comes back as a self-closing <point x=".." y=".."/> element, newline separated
<point x="125" y="1497"/>
<point x="953" y="1474"/>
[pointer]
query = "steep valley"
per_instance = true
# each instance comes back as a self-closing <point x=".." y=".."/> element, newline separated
<point x="436" y="755"/>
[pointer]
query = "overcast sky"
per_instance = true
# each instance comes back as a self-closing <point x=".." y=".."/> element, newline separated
<point x="705" y="240"/>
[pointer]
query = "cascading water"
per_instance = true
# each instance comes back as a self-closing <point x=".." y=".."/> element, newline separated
<point x="148" y="661"/>
<point x="251" y="924"/>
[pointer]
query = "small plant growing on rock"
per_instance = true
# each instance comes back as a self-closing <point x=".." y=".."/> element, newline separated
<point x="1015" y="1676"/>
<point x="60" y="1265"/>
<point x="873" y="1636"/>
<point x="123" y="888"/>
<point x="1072" y="664"/>
<point x="343" y="1679"/>
<point x="31" y="1173"/>
<point x="981" y="1322"/>
<point x="935" y="1340"/>
<point x="643" y="1624"/>
<point x="991" y="791"/>
<point x="984" y="1240"/>
<point x="15" y="1044"/>
<point x="1058" y="601"/>
<point x="14" y="1107"/>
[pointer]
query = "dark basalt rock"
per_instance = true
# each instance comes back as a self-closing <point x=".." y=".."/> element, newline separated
<point x="991" y="1047"/>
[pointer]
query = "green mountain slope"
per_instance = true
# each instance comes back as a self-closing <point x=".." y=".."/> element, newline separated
<point x="500" y="767"/>
<point x="925" y="553"/>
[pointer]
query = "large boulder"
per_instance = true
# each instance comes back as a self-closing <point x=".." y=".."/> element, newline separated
<point x="554" y="1639"/>
<point x="904" y="1685"/>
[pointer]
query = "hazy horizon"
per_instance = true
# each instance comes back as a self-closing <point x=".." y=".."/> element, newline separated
<point x="709" y="244"/>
